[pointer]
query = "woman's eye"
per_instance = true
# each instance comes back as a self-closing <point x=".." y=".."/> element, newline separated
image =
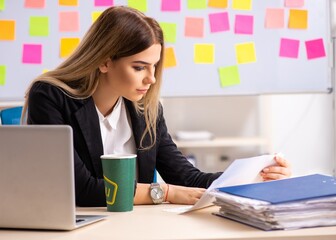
<point x="138" y="68"/>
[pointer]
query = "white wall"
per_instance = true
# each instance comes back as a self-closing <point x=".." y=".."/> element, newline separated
<point x="298" y="125"/>
<point x="302" y="128"/>
<point x="235" y="116"/>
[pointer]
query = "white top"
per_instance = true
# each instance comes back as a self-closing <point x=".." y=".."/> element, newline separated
<point x="116" y="130"/>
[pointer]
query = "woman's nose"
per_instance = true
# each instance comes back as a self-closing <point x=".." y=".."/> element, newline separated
<point x="150" y="78"/>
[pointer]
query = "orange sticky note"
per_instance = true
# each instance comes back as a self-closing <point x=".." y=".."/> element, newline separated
<point x="298" y="19"/>
<point x="7" y="30"/>
<point x="68" y="2"/>
<point x="204" y="53"/>
<point x="218" y="3"/>
<point x="170" y="58"/>
<point x="68" y="45"/>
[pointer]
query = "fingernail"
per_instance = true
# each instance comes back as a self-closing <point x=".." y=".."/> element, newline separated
<point x="266" y="170"/>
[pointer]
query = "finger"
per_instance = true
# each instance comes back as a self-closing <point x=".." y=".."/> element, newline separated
<point x="273" y="176"/>
<point x="281" y="161"/>
<point x="277" y="170"/>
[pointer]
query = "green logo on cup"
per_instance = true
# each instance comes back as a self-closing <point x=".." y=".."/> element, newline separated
<point x="110" y="185"/>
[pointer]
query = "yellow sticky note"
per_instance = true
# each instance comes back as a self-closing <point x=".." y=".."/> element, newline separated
<point x="95" y="16"/>
<point x="229" y="76"/>
<point x="245" y="53"/>
<point x="7" y="30"/>
<point x="218" y="3"/>
<point x="2" y="75"/>
<point x="169" y="31"/>
<point x="169" y="58"/>
<point x="242" y="4"/>
<point x="204" y="53"/>
<point x="67" y="46"/>
<point x="39" y="26"/>
<point x="298" y="19"/>
<point x="68" y="2"/>
<point x="141" y="5"/>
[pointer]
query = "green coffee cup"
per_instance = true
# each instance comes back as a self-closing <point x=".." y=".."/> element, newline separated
<point x="119" y="179"/>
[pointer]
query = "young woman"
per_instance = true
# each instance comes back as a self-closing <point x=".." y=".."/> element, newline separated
<point x="108" y="92"/>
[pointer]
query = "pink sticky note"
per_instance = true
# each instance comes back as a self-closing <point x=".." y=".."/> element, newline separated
<point x="194" y="27"/>
<point x="315" y="48"/>
<point x="32" y="53"/>
<point x="275" y="18"/>
<point x="289" y="48"/>
<point x="103" y="3"/>
<point x="219" y="22"/>
<point x="69" y="21"/>
<point x="244" y="24"/>
<point x="294" y="3"/>
<point x="34" y="3"/>
<point x="170" y="5"/>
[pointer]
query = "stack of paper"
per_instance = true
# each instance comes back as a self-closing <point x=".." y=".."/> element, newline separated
<point x="300" y="202"/>
<point x="249" y="172"/>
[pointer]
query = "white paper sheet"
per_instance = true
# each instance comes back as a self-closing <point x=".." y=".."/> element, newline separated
<point x="240" y="171"/>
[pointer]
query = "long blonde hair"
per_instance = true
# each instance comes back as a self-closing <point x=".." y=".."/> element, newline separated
<point x="118" y="32"/>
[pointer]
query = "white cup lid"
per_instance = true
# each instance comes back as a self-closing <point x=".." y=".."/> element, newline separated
<point x="118" y="156"/>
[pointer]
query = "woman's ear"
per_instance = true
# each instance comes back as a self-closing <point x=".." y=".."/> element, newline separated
<point x="103" y="67"/>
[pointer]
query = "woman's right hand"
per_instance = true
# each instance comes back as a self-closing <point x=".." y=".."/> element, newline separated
<point x="183" y="195"/>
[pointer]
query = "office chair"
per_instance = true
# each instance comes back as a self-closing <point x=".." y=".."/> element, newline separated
<point x="11" y="116"/>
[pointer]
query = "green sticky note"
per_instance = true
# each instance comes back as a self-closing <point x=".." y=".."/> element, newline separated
<point x="229" y="76"/>
<point x="141" y="5"/>
<point x="2" y="75"/>
<point x="169" y="31"/>
<point x="2" y="4"/>
<point x="39" y="26"/>
<point x="197" y="4"/>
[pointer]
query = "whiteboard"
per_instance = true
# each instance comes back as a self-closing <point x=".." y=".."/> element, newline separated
<point x="269" y="73"/>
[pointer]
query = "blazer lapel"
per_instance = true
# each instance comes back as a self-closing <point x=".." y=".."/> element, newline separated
<point x="145" y="158"/>
<point x="88" y="120"/>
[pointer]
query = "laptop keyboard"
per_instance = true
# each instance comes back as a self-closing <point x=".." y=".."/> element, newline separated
<point x="78" y="220"/>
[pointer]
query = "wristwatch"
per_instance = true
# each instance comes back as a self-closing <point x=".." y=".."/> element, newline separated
<point x="156" y="193"/>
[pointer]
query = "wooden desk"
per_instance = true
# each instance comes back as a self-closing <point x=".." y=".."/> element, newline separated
<point x="151" y="222"/>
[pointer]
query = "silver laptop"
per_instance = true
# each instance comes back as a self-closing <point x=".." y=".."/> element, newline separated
<point x="37" y="178"/>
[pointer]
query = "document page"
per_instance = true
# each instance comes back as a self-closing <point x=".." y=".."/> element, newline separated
<point x="240" y="171"/>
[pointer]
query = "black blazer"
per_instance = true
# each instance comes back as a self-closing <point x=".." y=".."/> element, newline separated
<point x="48" y="104"/>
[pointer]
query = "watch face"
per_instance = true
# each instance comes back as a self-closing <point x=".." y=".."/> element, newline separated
<point x="156" y="193"/>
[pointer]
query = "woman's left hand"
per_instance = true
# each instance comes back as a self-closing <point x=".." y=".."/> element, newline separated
<point x="280" y="170"/>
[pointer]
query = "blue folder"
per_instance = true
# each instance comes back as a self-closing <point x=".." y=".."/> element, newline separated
<point x="287" y="190"/>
